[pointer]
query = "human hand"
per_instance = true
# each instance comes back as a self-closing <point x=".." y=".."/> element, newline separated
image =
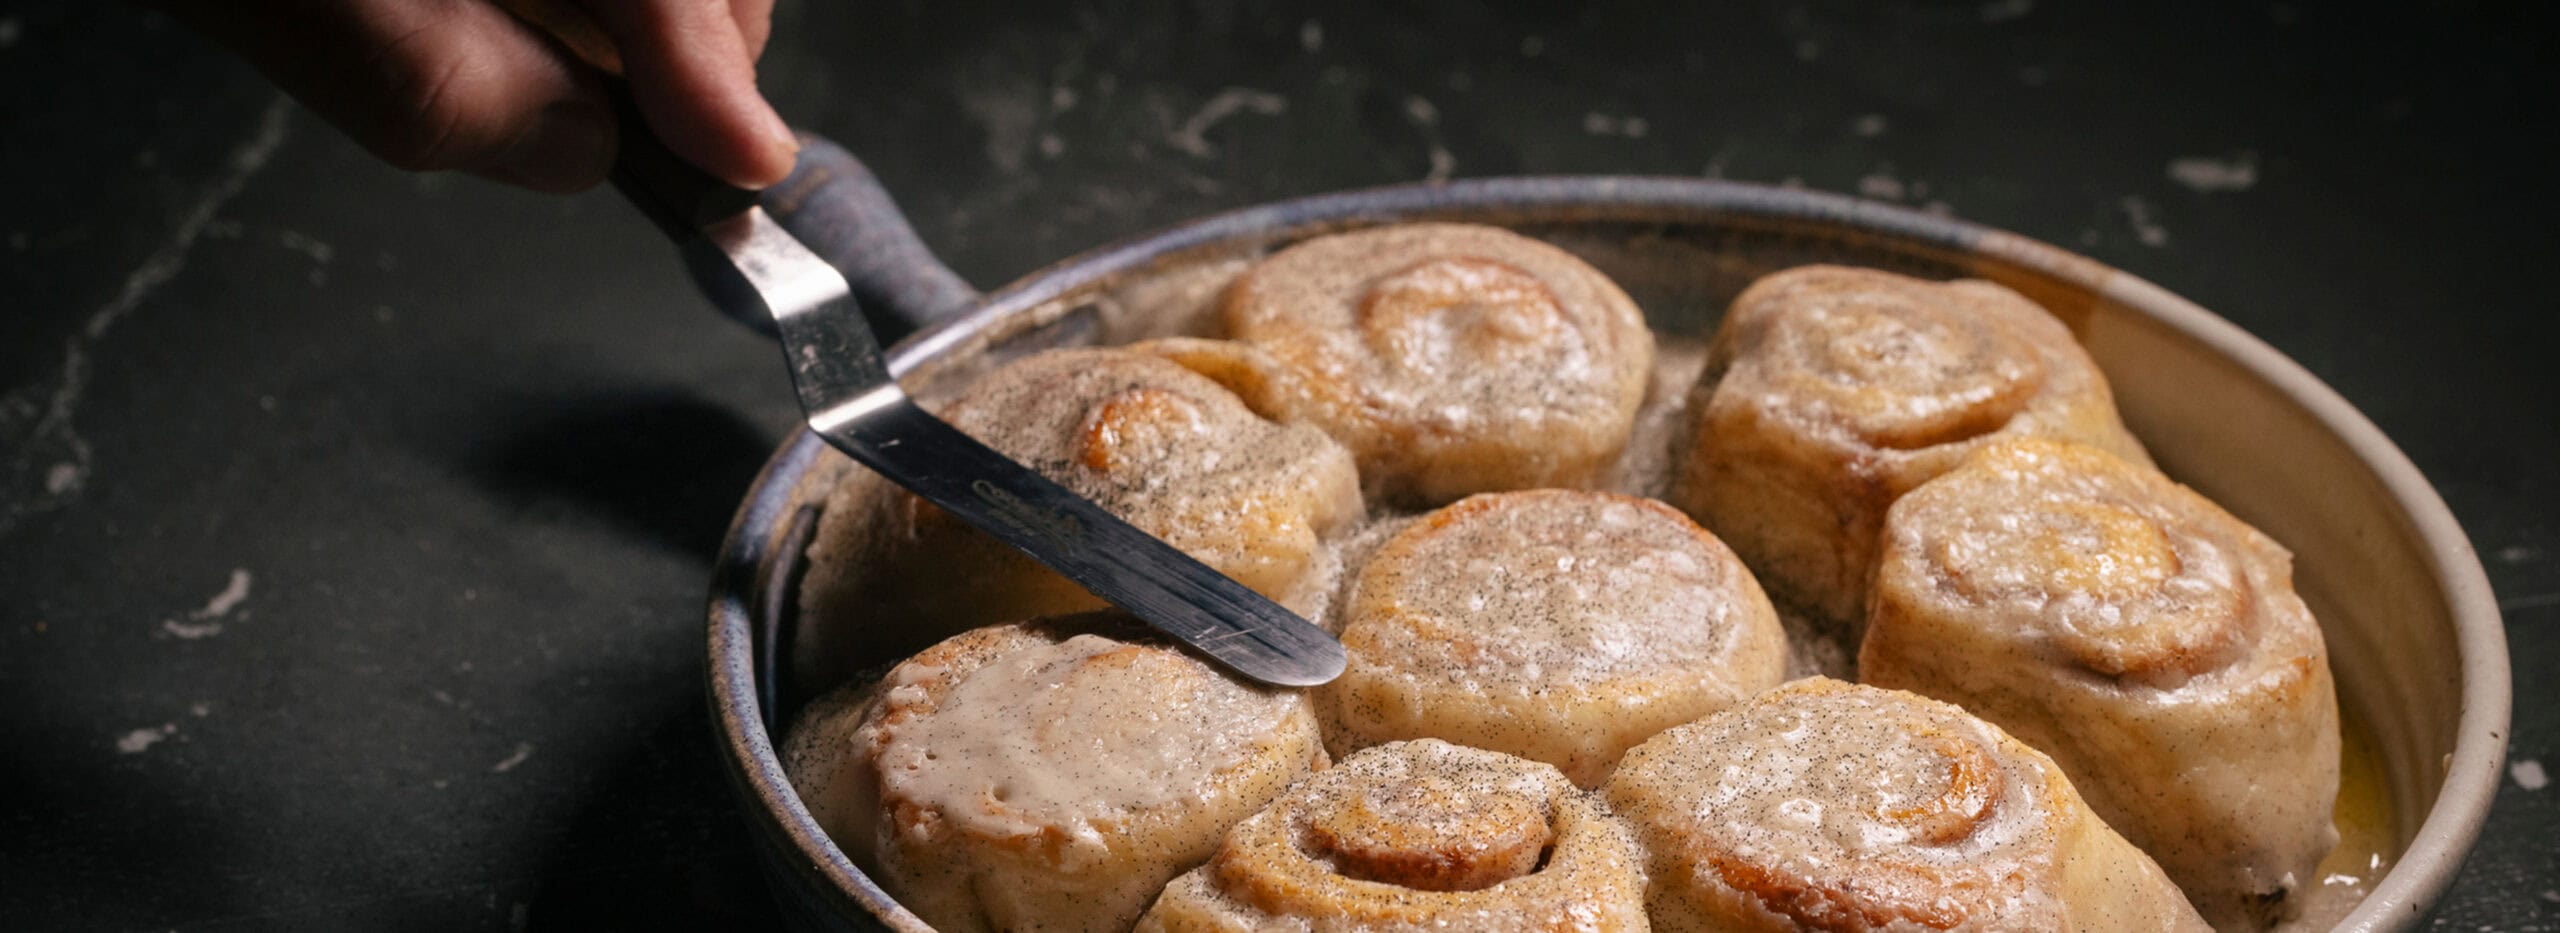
<point x="465" y="84"/>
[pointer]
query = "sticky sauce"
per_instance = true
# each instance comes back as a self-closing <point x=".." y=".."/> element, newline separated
<point x="2367" y="845"/>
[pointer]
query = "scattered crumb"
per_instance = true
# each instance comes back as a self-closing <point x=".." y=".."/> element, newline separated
<point x="1311" y="36"/>
<point x="230" y="598"/>
<point x="1421" y="110"/>
<point x="1881" y="186"/>
<point x="2535" y="601"/>
<point x="63" y="478"/>
<point x="1190" y="136"/>
<point x="2516" y="553"/>
<point x="1601" y="124"/>
<point x="523" y="751"/>
<point x="1443" y="164"/>
<point x="1062" y="99"/>
<point x="207" y="621"/>
<point x="2207" y="173"/>
<point x="1051" y="146"/>
<point x="1008" y="111"/>
<point x="2528" y="774"/>
<point x="1869" y="125"/>
<point x="2146" y="226"/>
<point x="200" y="709"/>
<point x="191" y="630"/>
<point x="1939" y="208"/>
<point x="136" y="741"/>
<point x="307" y="245"/>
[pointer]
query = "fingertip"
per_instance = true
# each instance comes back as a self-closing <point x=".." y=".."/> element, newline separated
<point x="744" y="144"/>
<point x="773" y="155"/>
<point x="693" y="73"/>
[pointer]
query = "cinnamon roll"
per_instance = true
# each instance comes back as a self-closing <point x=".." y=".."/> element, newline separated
<point x="1416" y="836"/>
<point x="1823" y="805"/>
<point x="1830" y="391"/>
<point x="1044" y="776"/>
<point x="1450" y="358"/>
<point x="2148" y="640"/>
<point x="1560" y="626"/>
<point x="1157" y="444"/>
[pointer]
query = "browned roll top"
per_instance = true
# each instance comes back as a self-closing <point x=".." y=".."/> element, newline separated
<point x="1418" y="835"/>
<point x="1561" y="626"/>
<point x="1828" y="806"/>
<point x="1450" y="358"/>
<point x="1167" y="449"/>
<point x="1831" y="391"/>
<point x="2146" y="638"/>
<point x="1044" y="776"/>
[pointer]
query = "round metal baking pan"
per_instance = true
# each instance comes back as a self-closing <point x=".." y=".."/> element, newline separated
<point x="2414" y="633"/>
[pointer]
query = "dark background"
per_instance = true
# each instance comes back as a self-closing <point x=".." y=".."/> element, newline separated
<point x="468" y="449"/>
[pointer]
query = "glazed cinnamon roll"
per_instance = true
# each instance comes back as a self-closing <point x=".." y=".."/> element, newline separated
<point x="2146" y="638"/>
<point x="1157" y="444"/>
<point x="1450" y="358"/>
<point x="1044" y="776"/>
<point x="1829" y="392"/>
<point x="1416" y="836"/>
<point x="1560" y="626"/>
<point x="1823" y="805"/>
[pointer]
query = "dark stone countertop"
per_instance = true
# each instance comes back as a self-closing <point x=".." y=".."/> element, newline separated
<point x="354" y="525"/>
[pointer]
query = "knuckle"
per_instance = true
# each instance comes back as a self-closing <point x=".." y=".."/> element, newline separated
<point x="426" y="120"/>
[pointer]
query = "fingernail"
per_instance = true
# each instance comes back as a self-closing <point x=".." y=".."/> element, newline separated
<point x="778" y="134"/>
<point x="569" y="147"/>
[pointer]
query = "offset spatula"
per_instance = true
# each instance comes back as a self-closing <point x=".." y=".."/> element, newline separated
<point x="754" y="269"/>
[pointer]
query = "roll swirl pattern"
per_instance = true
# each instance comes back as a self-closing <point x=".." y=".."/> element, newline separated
<point x="1416" y="836"/>
<point x="1047" y="776"/>
<point x="1170" y="451"/>
<point x="1558" y="625"/>
<point x="1831" y="391"/>
<point x="1823" y="805"/>
<point x="2146" y="638"/>
<point x="1450" y="358"/>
